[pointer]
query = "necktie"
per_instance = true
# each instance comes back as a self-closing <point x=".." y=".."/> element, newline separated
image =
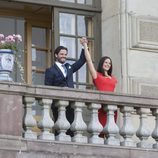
<point x="65" y="70"/>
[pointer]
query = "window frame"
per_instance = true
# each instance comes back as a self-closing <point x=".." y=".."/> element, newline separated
<point x="29" y="24"/>
<point x="56" y="3"/>
<point x="96" y="34"/>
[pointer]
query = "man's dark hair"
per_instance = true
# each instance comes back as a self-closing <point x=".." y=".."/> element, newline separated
<point x="58" y="49"/>
<point x="100" y="66"/>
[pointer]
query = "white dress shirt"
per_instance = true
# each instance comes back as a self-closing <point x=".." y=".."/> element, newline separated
<point x="61" y="68"/>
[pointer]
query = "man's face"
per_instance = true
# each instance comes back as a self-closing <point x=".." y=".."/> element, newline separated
<point x="61" y="56"/>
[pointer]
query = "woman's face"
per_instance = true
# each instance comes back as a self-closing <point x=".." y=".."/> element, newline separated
<point x="107" y="64"/>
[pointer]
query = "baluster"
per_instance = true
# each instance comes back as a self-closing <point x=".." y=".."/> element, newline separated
<point x="78" y="126"/>
<point x="143" y="131"/>
<point x="46" y="122"/>
<point x="94" y="126"/>
<point x="127" y="130"/>
<point x="29" y="121"/>
<point x="111" y="129"/>
<point x="155" y="131"/>
<point x="62" y="125"/>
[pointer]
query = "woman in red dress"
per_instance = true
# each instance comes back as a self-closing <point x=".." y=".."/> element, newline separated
<point x="102" y="79"/>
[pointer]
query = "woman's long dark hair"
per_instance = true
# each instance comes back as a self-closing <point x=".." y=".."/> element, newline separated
<point x="100" y="66"/>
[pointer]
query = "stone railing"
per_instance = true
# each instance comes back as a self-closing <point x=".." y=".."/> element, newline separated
<point x="137" y="124"/>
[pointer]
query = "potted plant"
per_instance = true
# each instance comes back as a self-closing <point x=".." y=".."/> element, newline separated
<point x="9" y="55"/>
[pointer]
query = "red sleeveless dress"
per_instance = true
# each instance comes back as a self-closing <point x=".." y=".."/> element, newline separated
<point x="104" y="84"/>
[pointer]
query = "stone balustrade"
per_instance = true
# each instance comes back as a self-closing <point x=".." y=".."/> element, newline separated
<point x="136" y="126"/>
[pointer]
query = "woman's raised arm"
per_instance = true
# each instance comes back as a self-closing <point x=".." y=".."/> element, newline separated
<point x="91" y="67"/>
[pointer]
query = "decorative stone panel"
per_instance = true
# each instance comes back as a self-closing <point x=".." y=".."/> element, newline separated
<point x="143" y="32"/>
<point x="143" y="86"/>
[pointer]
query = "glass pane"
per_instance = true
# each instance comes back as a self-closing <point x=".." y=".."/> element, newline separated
<point x="68" y="0"/>
<point x="69" y="42"/>
<point x="84" y="26"/>
<point x="38" y="59"/>
<point x="89" y="26"/>
<point x="37" y="78"/>
<point x="10" y="23"/>
<point x="74" y="77"/>
<point x="89" y="2"/>
<point x="67" y="23"/>
<point x="82" y="74"/>
<point x="82" y="87"/>
<point x="79" y="48"/>
<point x="81" y="26"/>
<point x="39" y="37"/>
<point x="81" y="1"/>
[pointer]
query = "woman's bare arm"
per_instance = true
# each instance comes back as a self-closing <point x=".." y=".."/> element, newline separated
<point x="89" y="61"/>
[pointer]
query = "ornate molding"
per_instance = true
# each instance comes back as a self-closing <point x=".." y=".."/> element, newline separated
<point x="143" y="86"/>
<point x="143" y="32"/>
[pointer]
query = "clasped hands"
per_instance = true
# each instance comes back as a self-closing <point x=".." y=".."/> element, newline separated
<point x="84" y="41"/>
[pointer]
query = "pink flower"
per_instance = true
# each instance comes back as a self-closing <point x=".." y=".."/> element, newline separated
<point x="18" y="38"/>
<point x="1" y="37"/>
<point x="10" y="42"/>
<point x="10" y="39"/>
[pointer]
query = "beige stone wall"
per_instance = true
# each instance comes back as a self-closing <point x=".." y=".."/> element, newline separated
<point x="111" y="35"/>
<point x="11" y="115"/>
<point x="143" y="47"/>
<point x="130" y="37"/>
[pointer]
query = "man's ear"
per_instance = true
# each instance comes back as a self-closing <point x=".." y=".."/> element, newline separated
<point x="55" y="55"/>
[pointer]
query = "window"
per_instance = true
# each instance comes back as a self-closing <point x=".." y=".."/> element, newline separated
<point x="42" y="35"/>
<point x="72" y="26"/>
<point x="39" y="54"/>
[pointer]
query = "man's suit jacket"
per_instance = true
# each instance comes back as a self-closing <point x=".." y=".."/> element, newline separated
<point x="54" y="76"/>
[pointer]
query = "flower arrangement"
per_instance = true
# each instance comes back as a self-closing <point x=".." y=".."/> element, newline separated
<point x="11" y="42"/>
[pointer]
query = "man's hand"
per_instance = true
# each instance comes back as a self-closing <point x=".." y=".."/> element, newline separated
<point x="83" y="41"/>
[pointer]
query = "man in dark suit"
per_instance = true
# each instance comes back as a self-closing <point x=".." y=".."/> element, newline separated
<point x="61" y="75"/>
